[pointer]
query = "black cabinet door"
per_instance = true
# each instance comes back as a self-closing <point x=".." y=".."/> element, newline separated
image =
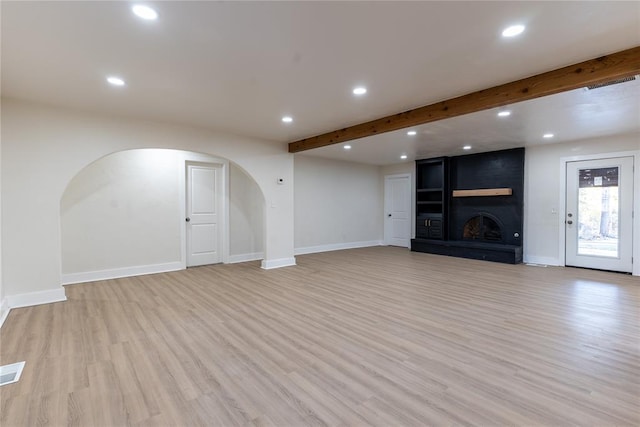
<point x="435" y="229"/>
<point x="429" y="227"/>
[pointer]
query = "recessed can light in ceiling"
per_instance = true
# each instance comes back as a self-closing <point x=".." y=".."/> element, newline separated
<point x="466" y="147"/>
<point x="115" y="81"/>
<point x="412" y="133"/>
<point x="504" y="113"/>
<point x="513" y="31"/>
<point x="144" y="12"/>
<point x="287" y="119"/>
<point x="361" y="90"/>
<point x="347" y="147"/>
<point x="403" y="157"/>
<point x="548" y="135"/>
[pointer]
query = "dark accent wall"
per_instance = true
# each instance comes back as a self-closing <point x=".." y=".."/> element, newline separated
<point x="496" y="169"/>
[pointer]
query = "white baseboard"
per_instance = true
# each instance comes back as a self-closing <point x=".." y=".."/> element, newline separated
<point x="36" y="298"/>
<point x="541" y="260"/>
<point x="116" y="273"/>
<point x="255" y="256"/>
<point x="268" y="264"/>
<point x="4" y="311"/>
<point x="336" y="247"/>
<point x="29" y="299"/>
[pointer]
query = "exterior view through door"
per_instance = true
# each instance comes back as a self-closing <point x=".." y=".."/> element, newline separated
<point x="397" y="208"/>
<point x="599" y="214"/>
<point x="204" y="213"/>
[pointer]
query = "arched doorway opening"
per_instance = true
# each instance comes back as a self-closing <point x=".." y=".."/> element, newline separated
<point x="124" y="215"/>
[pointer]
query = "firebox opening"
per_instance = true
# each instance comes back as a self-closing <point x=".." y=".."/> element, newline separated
<point x="482" y="228"/>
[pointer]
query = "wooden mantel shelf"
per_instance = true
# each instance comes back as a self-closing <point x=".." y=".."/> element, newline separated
<point x="483" y="192"/>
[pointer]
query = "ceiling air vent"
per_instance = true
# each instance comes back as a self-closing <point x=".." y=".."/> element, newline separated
<point x="612" y="82"/>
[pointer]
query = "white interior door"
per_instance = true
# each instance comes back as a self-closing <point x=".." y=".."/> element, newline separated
<point x="397" y="208"/>
<point x="599" y="214"/>
<point x="204" y="214"/>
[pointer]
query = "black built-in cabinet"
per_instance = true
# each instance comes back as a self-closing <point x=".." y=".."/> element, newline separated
<point x="441" y="219"/>
<point x="432" y="187"/>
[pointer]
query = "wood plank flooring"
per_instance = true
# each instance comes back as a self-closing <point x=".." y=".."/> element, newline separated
<point x="375" y="336"/>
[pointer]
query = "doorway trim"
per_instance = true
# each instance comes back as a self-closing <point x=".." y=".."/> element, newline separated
<point x="562" y="208"/>
<point x="204" y="160"/>
<point x="411" y="206"/>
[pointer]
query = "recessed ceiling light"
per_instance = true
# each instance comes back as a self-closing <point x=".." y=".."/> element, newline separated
<point x="360" y="90"/>
<point x="347" y="147"/>
<point x="412" y="133"/>
<point x="513" y="31"/>
<point x="403" y="157"/>
<point x="504" y="113"/>
<point x="287" y="119"/>
<point x="115" y="81"/>
<point x="144" y="12"/>
<point x="466" y="147"/>
<point x="548" y="135"/>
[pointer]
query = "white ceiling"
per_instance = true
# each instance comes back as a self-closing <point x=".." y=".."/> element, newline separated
<point x="240" y="66"/>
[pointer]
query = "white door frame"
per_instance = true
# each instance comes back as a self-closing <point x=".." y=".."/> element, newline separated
<point x="204" y="160"/>
<point x="562" y="208"/>
<point x="410" y="210"/>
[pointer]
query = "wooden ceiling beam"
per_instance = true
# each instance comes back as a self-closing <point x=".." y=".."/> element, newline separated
<point x="595" y="71"/>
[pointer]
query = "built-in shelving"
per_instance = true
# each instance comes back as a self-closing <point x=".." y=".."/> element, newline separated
<point x="431" y="198"/>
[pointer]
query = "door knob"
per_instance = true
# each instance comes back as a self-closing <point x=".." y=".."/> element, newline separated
<point x="389" y="215"/>
<point x="188" y="219"/>
<point x="569" y="215"/>
<point x="569" y="222"/>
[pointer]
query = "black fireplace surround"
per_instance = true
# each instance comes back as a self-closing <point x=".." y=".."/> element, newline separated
<point x="481" y="227"/>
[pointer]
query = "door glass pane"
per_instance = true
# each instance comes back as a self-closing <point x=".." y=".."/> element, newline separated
<point x="598" y="207"/>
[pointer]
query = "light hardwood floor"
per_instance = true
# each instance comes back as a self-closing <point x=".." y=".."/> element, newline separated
<point x="374" y="336"/>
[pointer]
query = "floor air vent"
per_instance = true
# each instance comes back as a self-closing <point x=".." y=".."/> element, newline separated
<point x="612" y="82"/>
<point x="10" y="373"/>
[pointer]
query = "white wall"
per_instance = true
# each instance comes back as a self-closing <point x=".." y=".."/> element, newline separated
<point x="542" y="191"/>
<point x="43" y="148"/>
<point x="246" y="216"/>
<point x="122" y="211"/>
<point x="337" y="204"/>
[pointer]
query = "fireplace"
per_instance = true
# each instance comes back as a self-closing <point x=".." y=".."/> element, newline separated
<point x="486" y="203"/>
<point x="482" y="228"/>
<point x="480" y="206"/>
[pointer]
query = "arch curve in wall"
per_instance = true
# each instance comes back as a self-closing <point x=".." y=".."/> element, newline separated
<point x="38" y="162"/>
<point x="123" y="214"/>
